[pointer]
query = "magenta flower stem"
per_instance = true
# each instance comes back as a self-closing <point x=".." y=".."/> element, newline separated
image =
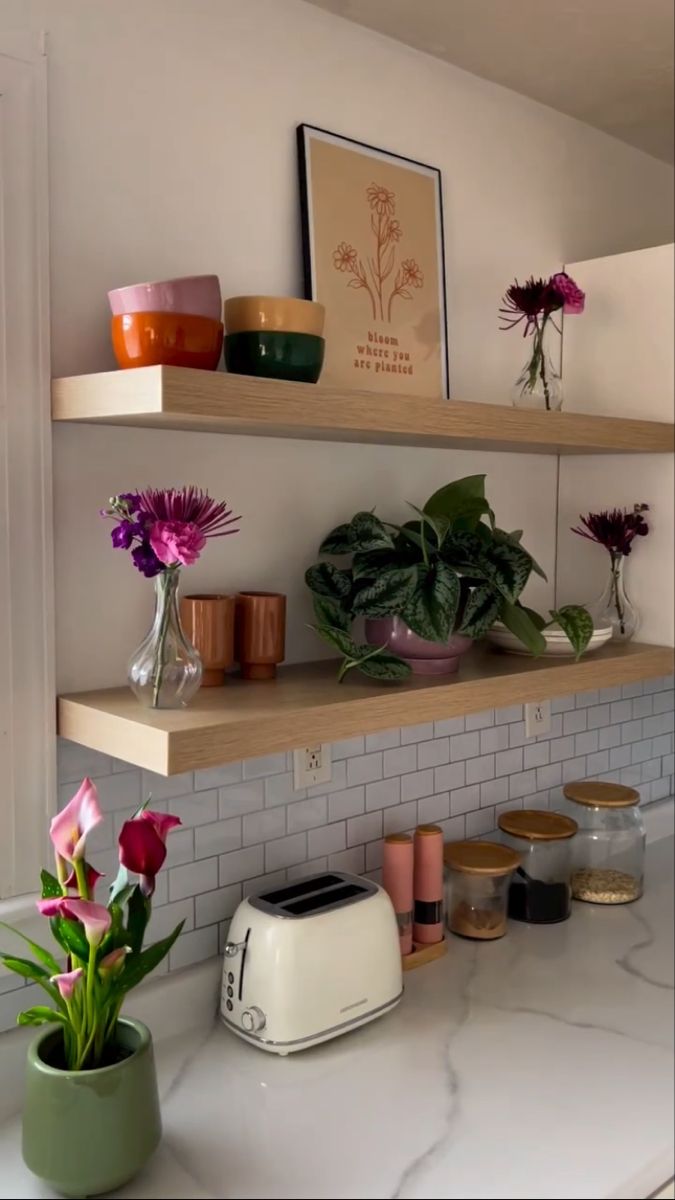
<point x="616" y="560"/>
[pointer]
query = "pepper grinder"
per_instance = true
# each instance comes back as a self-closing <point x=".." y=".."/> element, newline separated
<point x="397" y="880"/>
<point x="428" y="885"/>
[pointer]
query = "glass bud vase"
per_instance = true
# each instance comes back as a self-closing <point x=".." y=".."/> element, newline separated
<point x="165" y="671"/>
<point x="539" y="384"/>
<point x="612" y="606"/>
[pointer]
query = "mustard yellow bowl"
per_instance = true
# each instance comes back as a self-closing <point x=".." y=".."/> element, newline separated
<point x="284" y="314"/>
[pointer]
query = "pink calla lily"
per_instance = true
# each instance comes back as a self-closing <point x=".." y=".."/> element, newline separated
<point x="142" y="845"/>
<point x="162" y="822"/>
<point x="70" y="827"/>
<point x="112" y="963"/>
<point x="95" y="918"/>
<point x="67" y="982"/>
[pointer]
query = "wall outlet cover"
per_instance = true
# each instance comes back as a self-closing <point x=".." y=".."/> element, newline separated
<point x="311" y="765"/>
<point x="537" y="718"/>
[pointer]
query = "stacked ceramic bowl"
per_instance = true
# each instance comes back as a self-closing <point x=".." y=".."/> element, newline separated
<point x="171" y="323"/>
<point x="558" y="644"/>
<point x="278" y="337"/>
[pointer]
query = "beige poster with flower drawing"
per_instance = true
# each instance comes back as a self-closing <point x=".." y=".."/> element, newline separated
<point x="376" y="250"/>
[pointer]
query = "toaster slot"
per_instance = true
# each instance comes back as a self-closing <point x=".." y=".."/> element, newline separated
<point x="243" y="964"/>
<point x="323" y="900"/>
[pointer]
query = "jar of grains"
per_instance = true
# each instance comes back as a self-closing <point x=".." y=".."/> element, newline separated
<point x="610" y="847"/>
<point x="540" y="890"/>
<point x="477" y="878"/>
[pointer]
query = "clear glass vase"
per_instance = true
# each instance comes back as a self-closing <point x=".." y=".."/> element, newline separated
<point x="165" y="671"/>
<point x="612" y="606"/>
<point x="539" y="384"/>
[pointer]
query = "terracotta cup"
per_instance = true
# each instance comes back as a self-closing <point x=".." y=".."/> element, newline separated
<point x="208" y="621"/>
<point x="260" y="633"/>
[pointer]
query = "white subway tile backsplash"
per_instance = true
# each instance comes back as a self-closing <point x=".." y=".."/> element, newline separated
<point x="384" y="740"/>
<point x="327" y="840"/>
<point x="348" y="803"/>
<point x="417" y="784"/>
<point x="431" y="809"/>
<point x="199" y="808"/>
<point x="364" y="768"/>
<point x="353" y="860"/>
<point x="347" y="748"/>
<point x="629" y="690"/>
<point x="364" y="829"/>
<point x="239" y="865"/>
<point x="218" y="838"/>
<point x="217" y="777"/>
<point x="464" y="745"/>
<point x="464" y="799"/>
<point x="245" y="827"/>
<point x="193" y="878"/>
<point x="434" y="753"/>
<point x="383" y="794"/>
<point x="481" y="768"/>
<point x="240" y="798"/>
<point x="402" y="760"/>
<point x="286" y="851"/>
<point x="263" y="826"/>
<point x="194" y="947"/>
<point x="494" y="739"/>
<point x="307" y="814"/>
<point x="417" y="733"/>
<point x="218" y="905"/>
<point x="402" y="818"/>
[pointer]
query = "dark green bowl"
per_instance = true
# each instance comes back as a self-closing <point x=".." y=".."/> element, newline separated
<point x="275" y="355"/>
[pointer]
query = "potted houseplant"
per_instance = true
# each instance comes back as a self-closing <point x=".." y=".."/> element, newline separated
<point x="91" y="1116"/>
<point x="428" y="588"/>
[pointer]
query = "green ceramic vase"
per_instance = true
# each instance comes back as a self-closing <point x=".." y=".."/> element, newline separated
<point x="87" y="1132"/>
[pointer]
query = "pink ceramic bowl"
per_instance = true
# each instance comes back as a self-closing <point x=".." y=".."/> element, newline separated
<point x="192" y="295"/>
<point x="423" y="657"/>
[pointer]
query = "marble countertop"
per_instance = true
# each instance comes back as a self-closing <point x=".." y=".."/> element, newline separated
<point x="537" y="1066"/>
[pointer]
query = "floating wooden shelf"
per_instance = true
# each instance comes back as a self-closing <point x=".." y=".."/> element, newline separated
<point x="305" y="703"/>
<point x="177" y="398"/>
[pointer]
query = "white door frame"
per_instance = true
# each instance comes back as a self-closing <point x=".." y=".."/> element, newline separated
<point x="27" y="686"/>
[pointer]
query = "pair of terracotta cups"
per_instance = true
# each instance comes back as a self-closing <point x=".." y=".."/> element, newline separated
<point x="249" y="628"/>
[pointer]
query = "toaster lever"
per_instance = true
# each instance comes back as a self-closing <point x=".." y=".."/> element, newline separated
<point x="232" y="949"/>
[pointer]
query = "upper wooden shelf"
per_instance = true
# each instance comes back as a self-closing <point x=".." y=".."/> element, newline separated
<point x="177" y="398"/>
<point x="306" y="704"/>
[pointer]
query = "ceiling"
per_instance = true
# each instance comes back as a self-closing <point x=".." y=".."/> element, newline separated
<point x="607" y="62"/>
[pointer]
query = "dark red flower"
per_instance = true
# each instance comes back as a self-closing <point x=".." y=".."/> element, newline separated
<point x="92" y="876"/>
<point x="142" y="846"/>
<point x="527" y="301"/>
<point x="615" y="528"/>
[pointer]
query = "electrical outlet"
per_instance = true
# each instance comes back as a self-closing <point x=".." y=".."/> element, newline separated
<point x="311" y="765"/>
<point x="537" y="718"/>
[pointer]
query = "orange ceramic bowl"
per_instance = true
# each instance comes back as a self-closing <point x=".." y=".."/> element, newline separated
<point x="150" y="339"/>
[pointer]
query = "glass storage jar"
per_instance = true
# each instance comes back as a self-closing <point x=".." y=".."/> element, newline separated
<point x="610" y="847"/>
<point x="477" y="878"/>
<point x="540" y="890"/>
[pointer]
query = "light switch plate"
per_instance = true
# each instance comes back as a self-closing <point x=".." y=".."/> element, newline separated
<point x="311" y="765"/>
<point x="537" y="718"/>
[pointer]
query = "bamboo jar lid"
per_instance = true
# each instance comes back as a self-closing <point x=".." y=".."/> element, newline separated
<point x="480" y="858"/>
<point x="596" y="794"/>
<point x="537" y="825"/>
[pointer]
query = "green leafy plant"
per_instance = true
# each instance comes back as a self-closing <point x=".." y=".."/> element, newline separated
<point x="449" y="569"/>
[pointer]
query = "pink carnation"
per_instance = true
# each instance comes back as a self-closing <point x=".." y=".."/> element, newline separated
<point x="177" y="542"/>
<point x="573" y="297"/>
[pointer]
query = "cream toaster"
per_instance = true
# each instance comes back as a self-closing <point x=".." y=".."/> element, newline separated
<point x="310" y="960"/>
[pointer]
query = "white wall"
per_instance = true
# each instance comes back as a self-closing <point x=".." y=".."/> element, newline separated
<point x="619" y="359"/>
<point x="172" y="151"/>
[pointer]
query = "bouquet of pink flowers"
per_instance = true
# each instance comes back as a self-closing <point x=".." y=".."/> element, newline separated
<point x="533" y="304"/>
<point x="102" y="945"/>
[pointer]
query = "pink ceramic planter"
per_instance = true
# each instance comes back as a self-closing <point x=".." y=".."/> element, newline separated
<point x="192" y="295"/>
<point x="424" y="658"/>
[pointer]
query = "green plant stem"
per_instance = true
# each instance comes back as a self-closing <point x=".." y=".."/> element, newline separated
<point x="164" y="584"/>
<point x="81" y="877"/>
<point x="616" y="590"/>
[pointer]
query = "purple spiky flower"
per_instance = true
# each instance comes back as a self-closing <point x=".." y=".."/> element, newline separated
<point x="615" y="528"/>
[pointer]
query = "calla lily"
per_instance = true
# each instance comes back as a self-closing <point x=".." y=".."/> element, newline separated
<point x="112" y="963"/>
<point x="95" y="918"/>
<point x="70" y="827"/>
<point x="92" y="877"/>
<point x="142" y="846"/>
<point x="67" y="982"/>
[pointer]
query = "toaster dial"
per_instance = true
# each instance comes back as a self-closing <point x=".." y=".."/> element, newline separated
<point x="253" y="1019"/>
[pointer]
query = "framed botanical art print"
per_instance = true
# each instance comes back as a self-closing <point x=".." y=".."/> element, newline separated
<point x="373" y="255"/>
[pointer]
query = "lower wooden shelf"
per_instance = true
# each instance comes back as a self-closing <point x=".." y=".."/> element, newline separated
<point x="305" y="703"/>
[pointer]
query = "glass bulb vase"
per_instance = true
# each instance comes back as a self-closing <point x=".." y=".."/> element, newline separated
<point x="612" y="606"/>
<point x="539" y="384"/>
<point x="165" y="671"/>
